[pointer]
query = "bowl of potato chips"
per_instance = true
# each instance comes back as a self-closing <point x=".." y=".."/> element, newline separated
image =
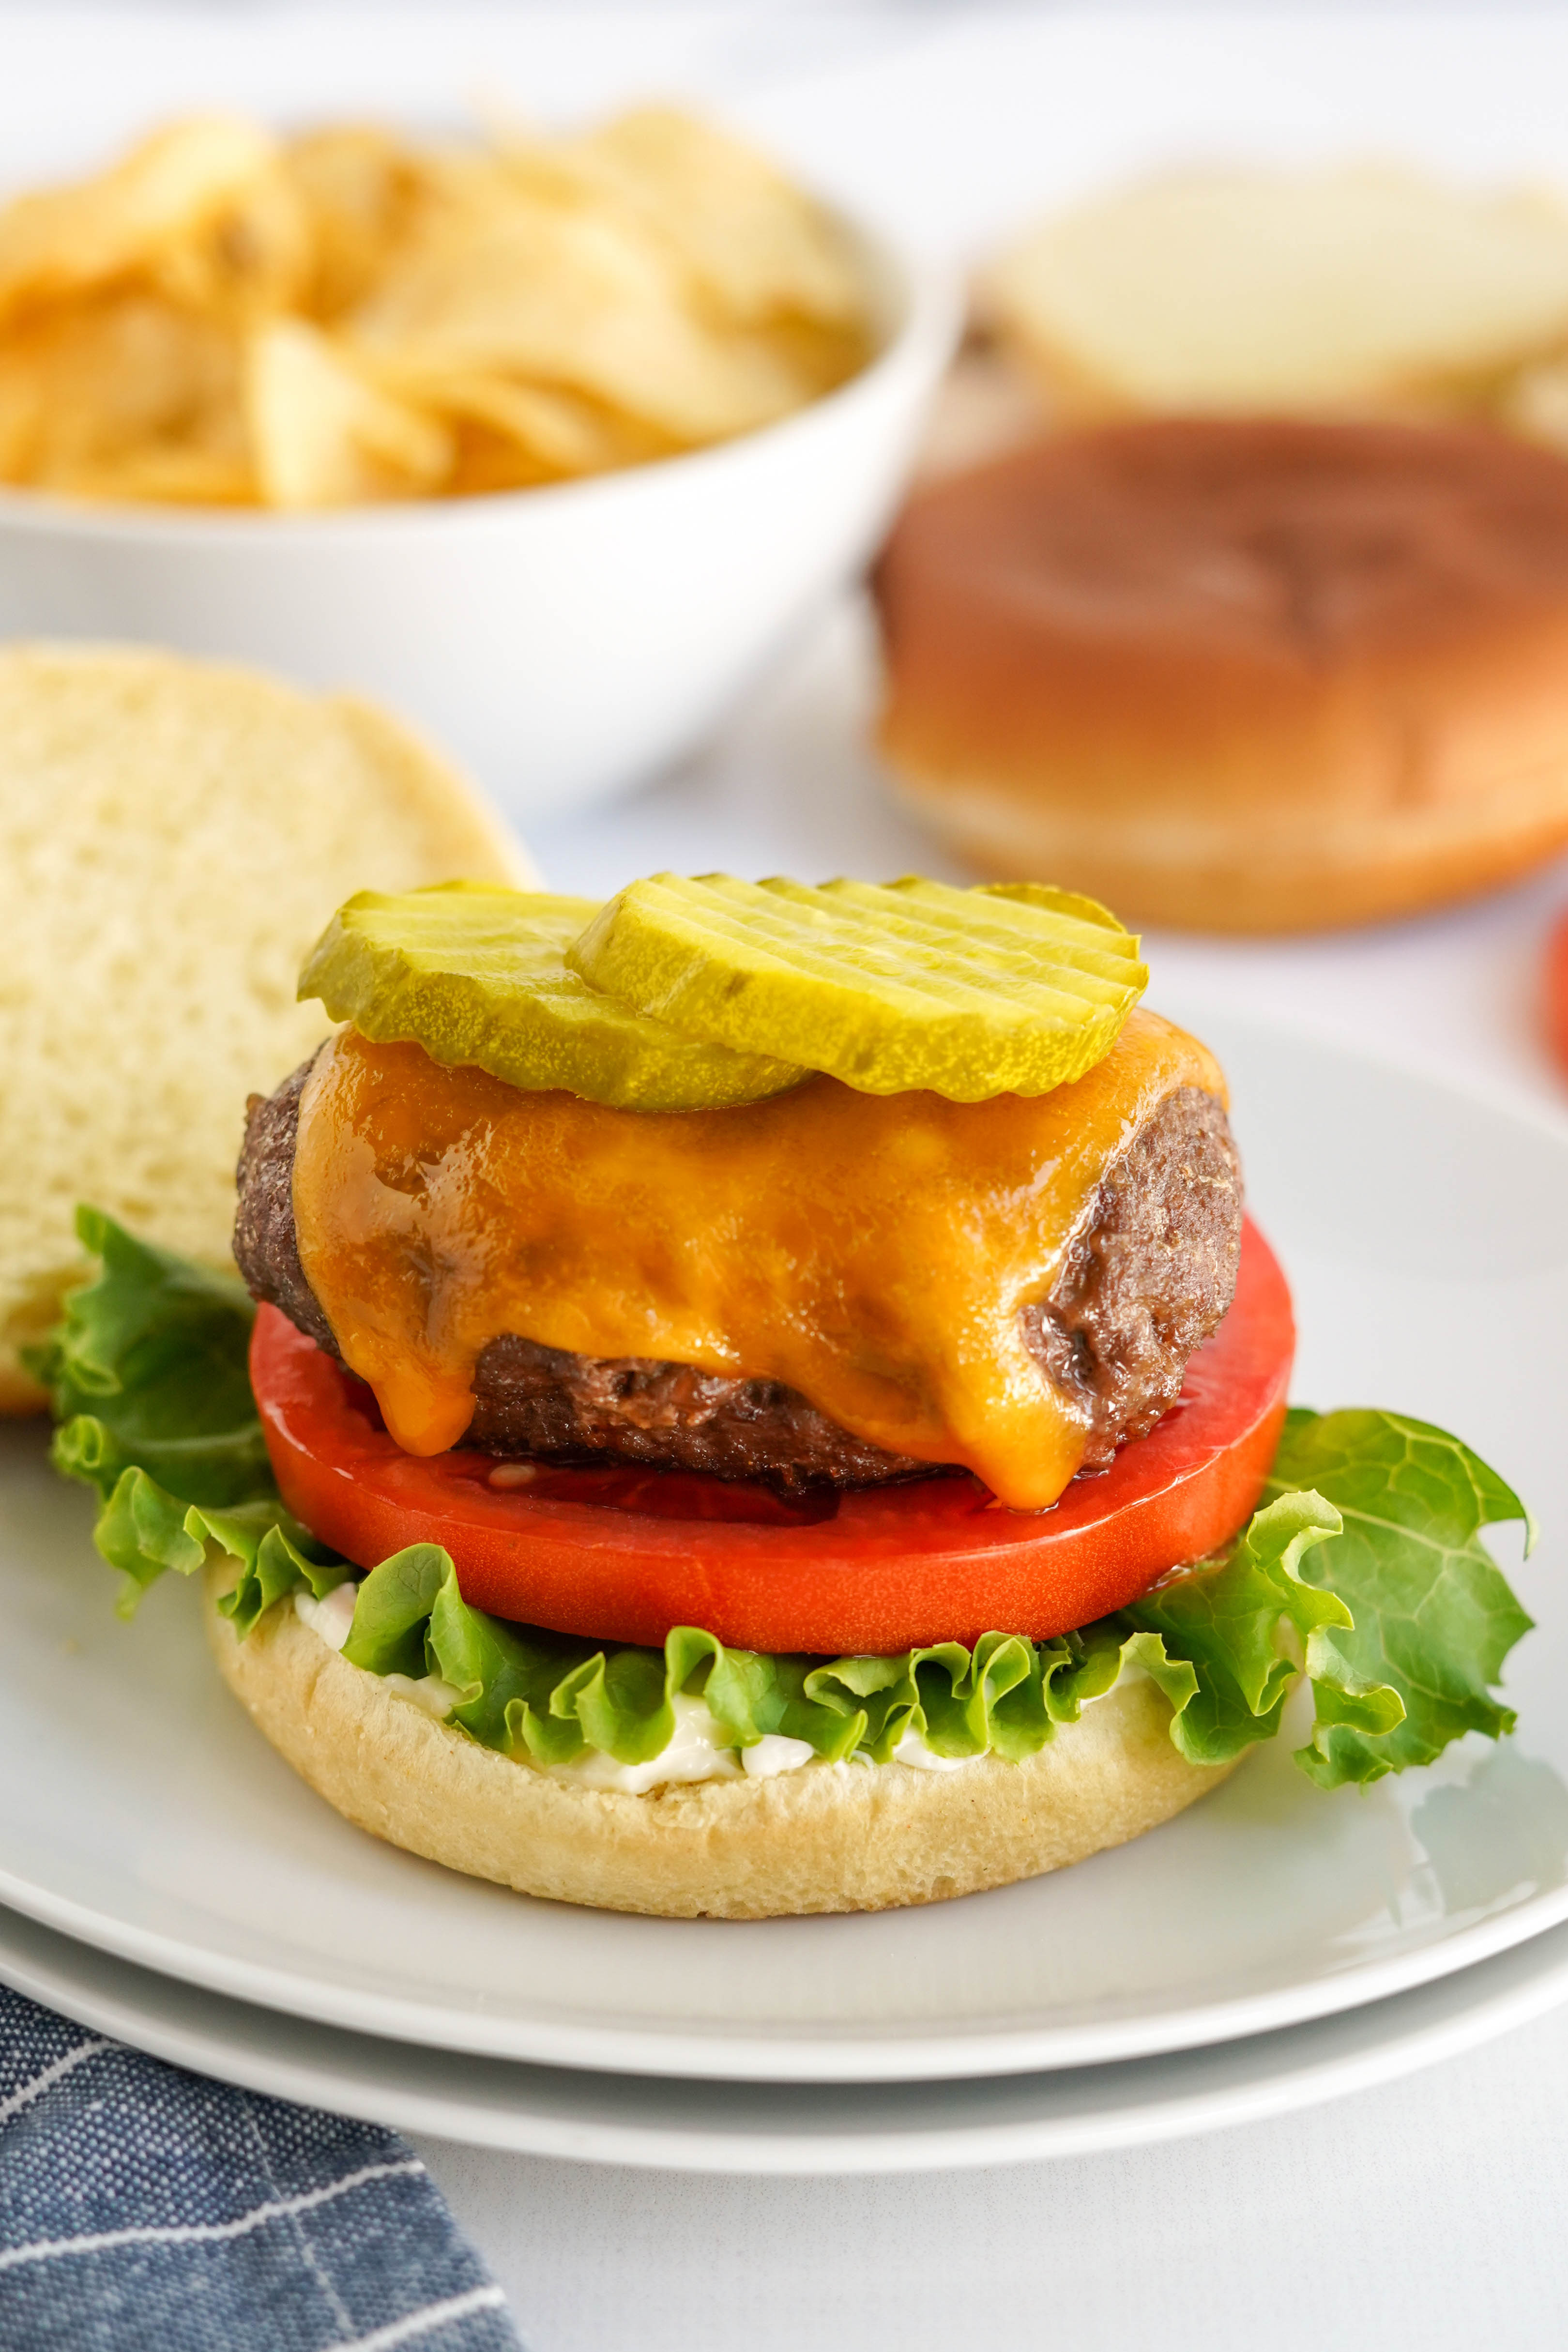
<point x="546" y="441"/>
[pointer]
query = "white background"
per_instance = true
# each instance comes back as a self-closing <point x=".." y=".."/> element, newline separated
<point x="1426" y="2215"/>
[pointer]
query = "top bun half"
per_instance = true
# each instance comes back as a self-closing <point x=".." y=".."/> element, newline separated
<point x="174" y="837"/>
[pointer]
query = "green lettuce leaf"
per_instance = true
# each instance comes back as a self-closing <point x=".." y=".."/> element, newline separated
<point x="1232" y="1621"/>
<point x="1006" y="1696"/>
<point x="552" y="1697"/>
<point x="144" y="1530"/>
<point x="1430" y="1616"/>
<point x="1369" y="1552"/>
<point x="149" y="1381"/>
<point x="148" y="1370"/>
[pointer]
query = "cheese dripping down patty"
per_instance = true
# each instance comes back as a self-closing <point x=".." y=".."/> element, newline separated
<point x="870" y="1252"/>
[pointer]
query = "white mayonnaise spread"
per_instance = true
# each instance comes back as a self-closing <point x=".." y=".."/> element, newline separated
<point x="699" y="1749"/>
<point x="775" y="1753"/>
<point x="330" y="1619"/>
<point x="436" y="1697"/>
<point x="912" y="1749"/>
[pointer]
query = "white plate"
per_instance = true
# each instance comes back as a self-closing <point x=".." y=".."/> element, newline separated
<point x="1425" y="1233"/>
<point x="784" y="2127"/>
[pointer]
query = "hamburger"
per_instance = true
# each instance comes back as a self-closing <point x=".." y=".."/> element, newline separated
<point x="763" y="1399"/>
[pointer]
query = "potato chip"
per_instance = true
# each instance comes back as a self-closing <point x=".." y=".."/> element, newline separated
<point x="365" y="198"/>
<point x="21" y="417"/>
<point x="755" y="256"/>
<point x="755" y="244"/>
<point x="572" y="297"/>
<point x="252" y="259"/>
<point x="322" y="436"/>
<point x="485" y="462"/>
<point x="343" y="316"/>
<point x="83" y="390"/>
<point x="65" y="240"/>
<point x="166" y="473"/>
<point x="558" y="434"/>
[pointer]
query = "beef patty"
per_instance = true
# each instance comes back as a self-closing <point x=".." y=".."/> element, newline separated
<point x="1148" y="1275"/>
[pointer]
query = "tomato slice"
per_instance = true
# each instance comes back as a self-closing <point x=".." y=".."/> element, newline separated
<point x="1557" y="992"/>
<point x="622" y="1555"/>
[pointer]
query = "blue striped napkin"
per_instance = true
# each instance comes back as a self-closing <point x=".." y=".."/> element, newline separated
<point x="146" y="2209"/>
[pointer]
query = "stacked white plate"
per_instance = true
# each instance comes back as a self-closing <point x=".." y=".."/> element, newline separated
<point x="167" y="1879"/>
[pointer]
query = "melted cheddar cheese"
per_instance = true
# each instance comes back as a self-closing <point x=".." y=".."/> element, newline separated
<point x="873" y="1252"/>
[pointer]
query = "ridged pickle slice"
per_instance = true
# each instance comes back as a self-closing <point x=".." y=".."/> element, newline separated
<point x="478" y="975"/>
<point x="1005" y="988"/>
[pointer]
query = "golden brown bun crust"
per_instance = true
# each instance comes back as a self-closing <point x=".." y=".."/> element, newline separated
<point x="1239" y="674"/>
<point x="842" y="1839"/>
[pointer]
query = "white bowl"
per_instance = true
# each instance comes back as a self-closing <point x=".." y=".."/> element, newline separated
<point x="564" y="642"/>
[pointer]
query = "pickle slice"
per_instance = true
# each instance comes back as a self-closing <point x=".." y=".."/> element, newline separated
<point x="477" y="975"/>
<point x="1012" y="988"/>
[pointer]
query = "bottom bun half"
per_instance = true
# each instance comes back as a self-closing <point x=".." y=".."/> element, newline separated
<point x="825" y="1838"/>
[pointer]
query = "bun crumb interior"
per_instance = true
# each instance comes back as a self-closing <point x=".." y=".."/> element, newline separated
<point x="1233" y="290"/>
<point x="174" y="836"/>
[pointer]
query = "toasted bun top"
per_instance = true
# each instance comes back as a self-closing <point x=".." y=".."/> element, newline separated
<point x="174" y="835"/>
<point x="1268" y="540"/>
